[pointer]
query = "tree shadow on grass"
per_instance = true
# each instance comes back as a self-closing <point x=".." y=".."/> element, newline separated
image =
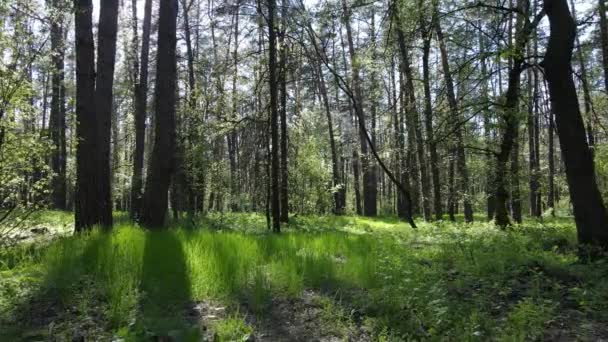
<point x="61" y="300"/>
<point x="165" y="286"/>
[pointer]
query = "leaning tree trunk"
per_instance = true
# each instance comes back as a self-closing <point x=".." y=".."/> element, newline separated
<point x="369" y="192"/>
<point x="461" y="163"/>
<point x="160" y="170"/>
<point x="413" y="117"/>
<point x="510" y="117"/>
<point x="589" y="211"/>
<point x="338" y="187"/>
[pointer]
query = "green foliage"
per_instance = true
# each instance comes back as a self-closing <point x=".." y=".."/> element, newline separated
<point x="443" y="281"/>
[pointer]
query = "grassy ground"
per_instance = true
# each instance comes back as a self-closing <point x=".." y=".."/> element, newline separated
<point x="326" y="278"/>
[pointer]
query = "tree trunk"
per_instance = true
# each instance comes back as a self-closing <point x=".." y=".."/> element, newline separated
<point x="337" y="186"/>
<point x="283" y="114"/>
<point x="461" y="164"/>
<point x="510" y="117"/>
<point x="141" y="90"/>
<point x="161" y="168"/>
<point x="369" y="198"/>
<point x="428" y="120"/>
<point x="57" y="116"/>
<point x="274" y="117"/>
<point x="604" y="38"/>
<point x="232" y="135"/>
<point x="487" y="129"/>
<point x="87" y="209"/>
<point x="551" y="158"/>
<point x="589" y="211"/>
<point x="104" y="83"/>
<point x="413" y="119"/>
<point x="585" y="87"/>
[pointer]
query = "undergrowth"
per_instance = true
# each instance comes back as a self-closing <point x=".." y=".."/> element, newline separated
<point x="441" y="281"/>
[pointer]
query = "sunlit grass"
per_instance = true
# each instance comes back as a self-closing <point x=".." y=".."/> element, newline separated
<point x="443" y="279"/>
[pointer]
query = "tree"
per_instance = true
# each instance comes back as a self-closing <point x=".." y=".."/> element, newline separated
<point x="589" y="211"/>
<point x="461" y="163"/>
<point x="104" y="87"/>
<point x="141" y="95"/>
<point x="283" y="115"/>
<point x="161" y="168"/>
<point x="87" y="209"/>
<point x="274" y="117"/>
<point x="57" y="117"/>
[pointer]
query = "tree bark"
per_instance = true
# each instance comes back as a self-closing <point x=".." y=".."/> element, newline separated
<point x="413" y="118"/>
<point x="141" y="90"/>
<point x="104" y="83"/>
<point x="369" y="199"/>
<point x="426" y="29"/>
<point x="87" y="209"/>
<point x="161" y="168"/>
<point x="460" y="155"/>
<point x="283" y="116"/>
<point x="589" y="211"/>
<point x="604" y="38"/>
<point x="274" y="118"/>
<point x="57" y="116"/>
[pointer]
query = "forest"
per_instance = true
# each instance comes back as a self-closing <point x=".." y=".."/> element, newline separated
<point x="303" y="170"/>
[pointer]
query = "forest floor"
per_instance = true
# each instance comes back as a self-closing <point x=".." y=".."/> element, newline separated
<point x="325" y="278"/>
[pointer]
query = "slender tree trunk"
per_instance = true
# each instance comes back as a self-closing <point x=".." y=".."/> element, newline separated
<point x="487" y="129"/>
<point x="232" y="136"/>
<point x="510" y="117"/>
<point x="369" y="199"/>
<point x="274" y="117"/>
<point x="414" y="120"/>
<point x="589" y="211"/>
<point x="585" y="87"/>
<point x="283" y="114"/>
<point x="460" y="155"/>
<point x="428" y="120"/>
<point x="372" y="179"/>
<point x="338" y="186"/>
<point x="604" y="38"/>
<point x="57" y="116"/>
<point x="161" y="168"/>
<point x="551" y="158"/>
<point x="140" y="114"/>
<point x="187" y="178"/>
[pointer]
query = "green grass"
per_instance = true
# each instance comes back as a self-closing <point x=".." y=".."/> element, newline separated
<point x="442" y="281"/>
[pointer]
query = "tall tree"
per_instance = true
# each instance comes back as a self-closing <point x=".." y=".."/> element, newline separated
<point x="509" y="114"/>
<point x="58" y="110"/>
<point x="604" y="39"/>
<point x="141" y="95"/>
<point x="87" y="207"/>
<point x="104" y="97"/>
<point x="426" y="29"/>
<point x="412" y="117"/>
<point x="461" y="164"/>
<point x="369" y="198"/>
<point x="283" y="114"/>
<point x="161" y="168"/>
<point x="589" y="211"/>
<point x="274" y="116"/>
